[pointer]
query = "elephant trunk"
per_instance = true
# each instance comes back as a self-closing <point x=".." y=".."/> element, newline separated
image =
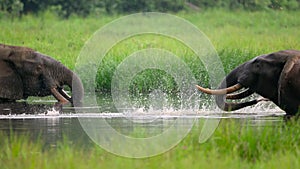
<point x="232" y="80"/>
<point x="229" y="85"/>
<point x="74" y="82"/>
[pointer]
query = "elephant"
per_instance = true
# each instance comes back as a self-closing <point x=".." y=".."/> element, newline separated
<point x="25" y="72"/>
<point x="274" y="76"/>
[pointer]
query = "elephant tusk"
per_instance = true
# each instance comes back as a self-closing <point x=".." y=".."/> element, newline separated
<point x="58" y="96"/>
<point x="64" y="94"/>
<point x="241" y="95"/>
<point x="231" y="89"/>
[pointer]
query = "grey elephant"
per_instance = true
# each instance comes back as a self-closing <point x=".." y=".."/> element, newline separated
<point x="25" y="72"/>
<point x="274" y="76"/>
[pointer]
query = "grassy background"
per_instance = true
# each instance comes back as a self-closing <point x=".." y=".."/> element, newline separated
<point x="237" y="37"/>
<point x="235" y="144"/>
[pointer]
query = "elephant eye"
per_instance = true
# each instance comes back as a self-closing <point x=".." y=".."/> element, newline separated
<point x="256" y="66"/>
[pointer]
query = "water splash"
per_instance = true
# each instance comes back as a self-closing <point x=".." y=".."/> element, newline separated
<point x="52" y="112"/>
<point x="160" y="107"/>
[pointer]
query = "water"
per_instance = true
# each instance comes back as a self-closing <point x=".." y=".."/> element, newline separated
<point x="40" y="121"/>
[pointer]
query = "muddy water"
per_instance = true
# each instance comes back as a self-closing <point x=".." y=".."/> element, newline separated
<point x="40" y="121"/>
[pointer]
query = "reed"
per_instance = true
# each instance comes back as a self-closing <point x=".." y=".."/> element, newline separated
<point x="235" y="144"/>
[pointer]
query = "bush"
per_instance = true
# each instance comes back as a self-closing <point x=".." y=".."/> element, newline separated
<point x="66" y="8"/>
<point x="285" y="4"/>
<point x="247" y="4"/>
<point x="69" y="7"/>
<point x="12" y="7"/>
<point x="121" y="6"/>
<point x="34" y="6"/>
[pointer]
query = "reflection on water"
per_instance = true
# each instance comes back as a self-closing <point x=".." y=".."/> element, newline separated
<point x="17" y="108"/>
<point x="49" y="130"/>
<point x="37" y="121"/>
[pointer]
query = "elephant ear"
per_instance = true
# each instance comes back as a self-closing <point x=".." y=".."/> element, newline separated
<point x="286" y="77"/>
<point x="11" y="86"/>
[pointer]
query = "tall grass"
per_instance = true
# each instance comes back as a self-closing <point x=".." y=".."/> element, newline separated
<point x="234" y="145"/>
<point x="237" y="37"/>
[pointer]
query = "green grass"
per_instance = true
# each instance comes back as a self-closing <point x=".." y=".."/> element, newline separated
<point x="235" y="144"/>
<point x="237" y="36"/>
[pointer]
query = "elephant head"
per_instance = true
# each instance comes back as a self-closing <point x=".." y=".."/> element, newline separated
<point x="25" y="72"/>
<point x="273" y="76"/>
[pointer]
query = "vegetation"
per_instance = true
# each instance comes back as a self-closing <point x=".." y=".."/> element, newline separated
<point x="66" y="8"/>
<point x="237" y="36"/>
<point x="235" y="144"/>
